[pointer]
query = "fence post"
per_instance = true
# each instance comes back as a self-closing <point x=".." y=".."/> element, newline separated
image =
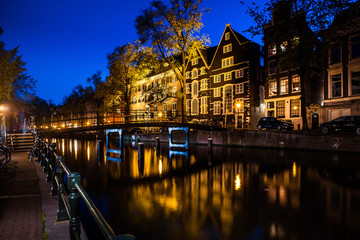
<point x="41" y="151"/>
<point x="45" y="150"/>
<point x="61" y="212"/>
<point x="48" y="164"/>
<point x="74" y="197"/>
<point x="54" y="190"/>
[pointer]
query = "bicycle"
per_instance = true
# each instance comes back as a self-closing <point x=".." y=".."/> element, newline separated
<point x="5" y="155"/>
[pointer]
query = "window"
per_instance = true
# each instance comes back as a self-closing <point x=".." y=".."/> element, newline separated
<point x="284" y="85"/>
<point x="295" y="108"/>
<point x="194" y="89"/>
<point x="217" y="92"/>
<point x="203" y="105"/>
<point x="227" y="48"/>
<point x="239" y="88"/>
<point x="355" y="47"/>
<point x="272" y="66"/>
<point x="228" y="62"/>
<point x="134" y="100"/>
<point x="195" y="107"/>
<point x="188" y="89"/>
<point x="355" y="83"/>
<point x="187" y="75"/>
<point x="283" y="46"/>
<point x="280" y="109"/>
<point x="240" y="102"/>
<point x="217" y="108"/>
<point x="194" y="62"/>
<point x="272" y="87"/>
<point x="336" y="90"/>
<point x="227" y="36"/>
<point x="194" y="73"/>
<point x="270" y="105"/>
<point x="239" y="73"/>
<point x="188" y="106"/>
<point x="227" y="76"/>
<point x="335" y="54"/>
<point x="165" y="108"/>
<point x="228" y="99"/>
<point x="202" y="70"/>
<point x="174" y="109"/>
<point x="173" y="79"/>
<point x="272" y="50"/>
<point x="217" y="78"/>
<point x="203" y="84"/>
<point x="295" y="83"/>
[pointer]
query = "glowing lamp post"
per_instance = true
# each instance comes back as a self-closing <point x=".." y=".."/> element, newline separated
<point x="3" y="109"/>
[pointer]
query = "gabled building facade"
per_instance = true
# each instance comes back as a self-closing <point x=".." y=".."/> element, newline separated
<point x="225" y="82"/>
<point x="284" y="83"/>
<point x="342" y="77"/>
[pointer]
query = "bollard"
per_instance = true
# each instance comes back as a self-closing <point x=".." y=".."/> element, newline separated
<point x="210" y="144"/>
<point x="61" y="212"/>
<point x="74" y="197"/>
<point x="54" y="190"/>
<point x="157" y="142"/>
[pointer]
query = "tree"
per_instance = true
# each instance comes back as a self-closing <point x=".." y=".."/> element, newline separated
<point x="308" y="19"/>
<point x="15" y="84"/>
<point x="95" y="94"/>
<point x="127" y="65"/>
<point x="174" y="32"/>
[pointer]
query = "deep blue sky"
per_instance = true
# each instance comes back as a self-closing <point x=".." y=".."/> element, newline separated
<point x="65" y="42"/>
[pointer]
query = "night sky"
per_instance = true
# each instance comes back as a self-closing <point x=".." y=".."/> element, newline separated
<point x="65" y="42"/>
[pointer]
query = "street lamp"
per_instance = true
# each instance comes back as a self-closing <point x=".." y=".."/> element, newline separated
<point x="3" y="109"/>
<point x="238" y="105"/>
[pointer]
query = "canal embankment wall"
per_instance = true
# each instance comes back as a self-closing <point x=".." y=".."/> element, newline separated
<point x="266" y="139"/>
<point x="246" y="138"/>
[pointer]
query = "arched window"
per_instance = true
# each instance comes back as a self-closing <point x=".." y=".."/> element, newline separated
<point x="195" y="89"/>
<point x="195" y="107"/>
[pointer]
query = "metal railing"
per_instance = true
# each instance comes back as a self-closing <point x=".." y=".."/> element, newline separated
<point x="68" y="201"/>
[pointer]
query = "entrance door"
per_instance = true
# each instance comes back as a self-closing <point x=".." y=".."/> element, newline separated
<point x="240" y="120"/>
<point x="315" y="121"/>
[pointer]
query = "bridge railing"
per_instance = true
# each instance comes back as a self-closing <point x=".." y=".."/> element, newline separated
<point x="68" y="201"/>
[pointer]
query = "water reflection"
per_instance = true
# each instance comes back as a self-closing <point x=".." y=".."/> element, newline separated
<point x="233" y="193"/>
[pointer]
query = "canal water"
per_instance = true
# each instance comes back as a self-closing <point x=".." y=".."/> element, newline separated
<point x="229" y="193"/>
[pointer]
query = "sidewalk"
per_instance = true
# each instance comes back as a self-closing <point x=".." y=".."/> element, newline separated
<point x="24" y="194"/>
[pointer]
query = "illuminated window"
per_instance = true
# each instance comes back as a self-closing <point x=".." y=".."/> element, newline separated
<point x="284" y="85"/>
<point x="280" y="109"/>
<point x="227" y="76"/>
<point x="283" y="46"/>
<point x="195" y="107"/>
<point x="194" y="73"/>
<point x="203" y="84"/>
<point x="217" y="78"/>
<point x="194" y="89"/>
<point x="272" y="50"/>
<point x="227" y="48"/>
<point x="228" y="62"/>
<point x="217" y="108"/>
<point x="188" y="91"/>
<point x="239" y="88"/>
<point x="228" y="99"/>
<point x="203" y="105"/>
<point x="296" y="83"/>
<point x="336" y="90"/>
<point x="227" y="36"/>
<point x="295" y="108"/>
<point x="202" y="71"/>
<point x="239" y="73"/>
<point x="194" y="61"/>
<point x="217" y="92"/>
<point x="187" y="75"/>
<point x="174" y="108"/>
<point x="272" y="87"/>
<point x="270" y="105"/>
<point x="188" y="106"/>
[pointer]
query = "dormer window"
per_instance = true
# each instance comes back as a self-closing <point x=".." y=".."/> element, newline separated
<point x="227" y="48"/>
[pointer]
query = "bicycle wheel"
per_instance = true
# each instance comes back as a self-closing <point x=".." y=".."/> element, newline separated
<point x="3" y="158"/>
<point x="8" y="153"/>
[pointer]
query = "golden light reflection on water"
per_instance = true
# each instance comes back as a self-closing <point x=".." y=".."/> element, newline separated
<point x="63" y="146"/>
<point x="294" y="169"/>
<point x="76" y="148"/>
<point x="160" y="167"/>
<point x="88" y="150"/>
<point x="237" y="182"/>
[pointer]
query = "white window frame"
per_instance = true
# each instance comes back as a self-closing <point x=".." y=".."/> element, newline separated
<point x="239" y="73"/>
<point x="217" y="92"/>
<point x="227" y="76"/>
<point x="195" y="61"/>
<point x="227" y="36"/>
<point x="187" y="75"/>
<point x="227" y="48"/>
<point x="217" y="78"/>
<point x="273" y="93"/>
<point x="292" y="83"/>
<point x="188" y="88"/>
<point x="203" y="84"/>
<point x="174" y="108"/>
<point x="194" y="89"/>
<point x="284" y="79"/>
<point x="194" y="73"/>
<point x="239" y="88"/>
<point x="227" y="62"/>
<point x="194" y="109"/>
<point x="204" y="105"/>
<point x="202" y="70"/>
<point x="217" y="108"/>
<point x="330" y="83"/>
<point x="350" y="71"/>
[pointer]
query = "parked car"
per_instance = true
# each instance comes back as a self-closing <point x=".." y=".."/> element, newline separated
<point x="342" y="124"/>
<point x="274" y="123"/>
